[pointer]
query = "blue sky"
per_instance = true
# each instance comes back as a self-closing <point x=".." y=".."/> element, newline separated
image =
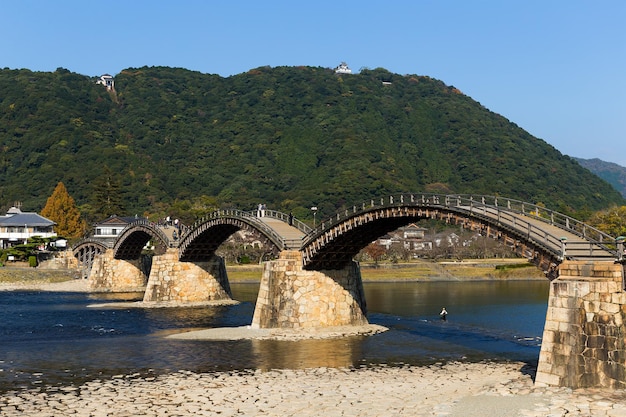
<point x="555" y="68"/>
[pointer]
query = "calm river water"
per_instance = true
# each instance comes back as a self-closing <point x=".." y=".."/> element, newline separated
<point x="55" y="339"/>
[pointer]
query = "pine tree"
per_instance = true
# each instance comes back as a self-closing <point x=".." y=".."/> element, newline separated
<point x="61" y="209"/>
<point x="106" y="194"/>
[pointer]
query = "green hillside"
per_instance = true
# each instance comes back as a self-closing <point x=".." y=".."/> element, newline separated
<point x="290" y="137"/>
<point x="613" y="173"/>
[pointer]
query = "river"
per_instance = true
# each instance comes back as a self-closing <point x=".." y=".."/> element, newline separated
<point x="54" y="339"/>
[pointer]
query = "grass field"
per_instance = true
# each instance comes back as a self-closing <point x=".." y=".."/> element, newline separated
<point x="487" y="269"/>
<point x="421" y="271"/>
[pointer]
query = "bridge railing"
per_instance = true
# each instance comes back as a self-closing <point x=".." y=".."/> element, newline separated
<point x="104" y="242"/>
<point x="541" y="213"/>
<point x="557" y="244"/>
<point x="285" y="218"/>
<point x="500" y="207"/>
<point x="151" y="225"/>
<point x="250" y="216"/>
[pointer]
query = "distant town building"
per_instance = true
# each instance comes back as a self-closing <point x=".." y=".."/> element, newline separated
<point x="343" y="69"/>
<point x="16" y="227"/>
<point x="108" y="81"/>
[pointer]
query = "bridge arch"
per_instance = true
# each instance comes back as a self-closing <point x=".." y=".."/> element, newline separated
<point x="134" y="237"/>
<point x="543" y="236"/>
<point x="207" y="234"/>
<point x="86" y="250"/>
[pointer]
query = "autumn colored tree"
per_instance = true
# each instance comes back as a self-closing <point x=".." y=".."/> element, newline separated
<point x="61" y="209"/>
<point x="611" y="221"/>
<point x="375" y="251"/>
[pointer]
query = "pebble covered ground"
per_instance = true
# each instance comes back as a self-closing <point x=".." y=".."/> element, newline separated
<point x="455" y="389"/>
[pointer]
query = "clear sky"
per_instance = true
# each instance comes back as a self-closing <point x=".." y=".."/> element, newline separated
<point x="556" y="68"/>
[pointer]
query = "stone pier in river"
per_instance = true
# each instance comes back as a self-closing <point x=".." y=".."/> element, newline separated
<point x="291" y="297"/>
<point x="183" y="282"/>
<point x="116" y="275"/>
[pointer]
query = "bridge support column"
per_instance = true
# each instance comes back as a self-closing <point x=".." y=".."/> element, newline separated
<point x="584" y="339"/>
<point x="174" y="281"/>
<point x="291" y="297"/>
<point x="116" y="275"/>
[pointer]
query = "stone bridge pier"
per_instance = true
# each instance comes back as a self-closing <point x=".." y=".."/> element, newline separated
<point x="584" y="339"/>
<point x="291" y="297"/>
<point x="174" y="281"/>
<point x="116" y="275"/>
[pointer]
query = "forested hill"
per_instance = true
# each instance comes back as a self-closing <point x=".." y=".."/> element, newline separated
<point x="613" y="173"/>
<point x="289" y="137"/>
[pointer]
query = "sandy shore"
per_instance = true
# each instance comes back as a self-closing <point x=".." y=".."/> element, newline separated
<point x="457" y="389"/>
<point x="248" y="332"/>
<point x="73" y="285"/>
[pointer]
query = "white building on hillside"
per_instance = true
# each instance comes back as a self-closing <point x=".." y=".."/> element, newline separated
<point x="107" y="80"/>
<point x="343" y="69"/>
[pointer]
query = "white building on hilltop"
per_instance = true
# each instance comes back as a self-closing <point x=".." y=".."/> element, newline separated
<point x="107" y="80"/>
<point x="343" y="69"/>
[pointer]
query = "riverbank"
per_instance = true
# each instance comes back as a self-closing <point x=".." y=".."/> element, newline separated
<point x="453" y="390"/>
<point x="422" y="270"/>
<point x="38" y="279"/>
<point x="12" y="278"/>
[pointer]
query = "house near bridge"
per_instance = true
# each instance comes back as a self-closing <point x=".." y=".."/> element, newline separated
<point x="111" y="227"/>
<point x="16" y="227"/>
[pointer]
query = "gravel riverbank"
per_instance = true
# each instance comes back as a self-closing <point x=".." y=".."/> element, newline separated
<point x="456" y="389"/>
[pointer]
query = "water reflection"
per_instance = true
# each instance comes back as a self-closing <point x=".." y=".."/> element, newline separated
<point x="116" y="296"/>
<point x="331" y="353"/>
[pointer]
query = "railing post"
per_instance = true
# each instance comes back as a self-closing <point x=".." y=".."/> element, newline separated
<point x="620" y="257"/>
<point x="620" y="248"/>
<point x="563" y="247"/>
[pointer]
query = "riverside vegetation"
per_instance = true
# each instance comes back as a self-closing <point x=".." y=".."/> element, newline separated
<point x="483" y="269"/>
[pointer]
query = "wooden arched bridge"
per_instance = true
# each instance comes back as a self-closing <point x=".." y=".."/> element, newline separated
<point x="544" y="236"/>
<point x="313" y="281"/>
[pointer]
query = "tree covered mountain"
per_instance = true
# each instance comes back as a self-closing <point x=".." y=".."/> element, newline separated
<point x="289" y="137"/>
<point x="613" y="173"/>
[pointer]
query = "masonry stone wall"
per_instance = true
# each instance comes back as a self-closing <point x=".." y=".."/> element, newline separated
<point x="584" y="339"/>
<point x="290" y="297"/>
<point x="180" y="282"/>
<point x="116" y="275"/>
<point x="60" y="260"/>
